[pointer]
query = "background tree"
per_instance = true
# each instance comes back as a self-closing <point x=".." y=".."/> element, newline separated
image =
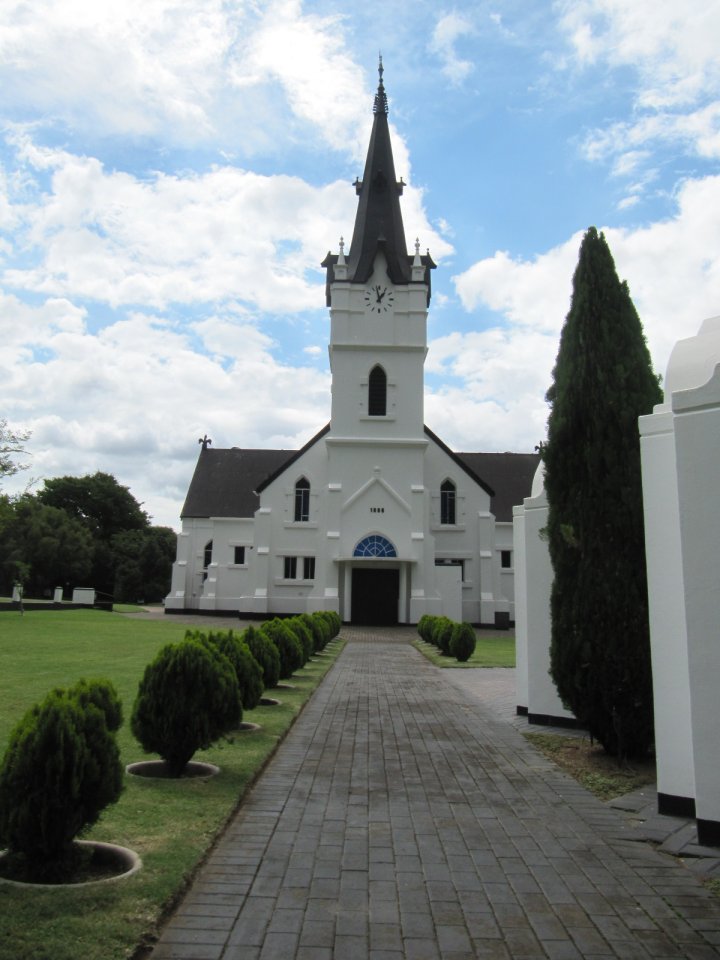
<point x="143" y="562"/>
<point x="602" y="382"/>
<point x="43" y="547"/>
<point x="105" y="508"/>
<point x="12" y="445"/>
<point x="98" y="501"/>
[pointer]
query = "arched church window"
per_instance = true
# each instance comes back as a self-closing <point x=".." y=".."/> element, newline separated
<point x="302" y="500"/>
<point x="375" y="546"/>
<point x="448" y="499"/>
<point x="377" y="392"/>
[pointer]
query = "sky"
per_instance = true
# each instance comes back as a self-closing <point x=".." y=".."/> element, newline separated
<point x="173" y="172"/>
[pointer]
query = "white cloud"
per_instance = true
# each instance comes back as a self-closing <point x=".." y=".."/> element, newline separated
<point x="672" y="50"/>
<point x="528" y="293"/>
<point x="450" y="28"/>
<point x="127" y="65"/>
<point x="228" y="233"/>
<point x="133" y="399"/>
<point x="672" y="268"/>
<point x="187" y="72"/>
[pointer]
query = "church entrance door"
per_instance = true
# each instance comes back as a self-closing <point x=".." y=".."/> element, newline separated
<point x="375" y="595"/>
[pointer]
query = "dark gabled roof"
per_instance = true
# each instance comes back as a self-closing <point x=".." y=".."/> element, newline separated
<point x="227" y="483"/>
<point x="292" y="458"/>
<point x="509" y="474"/>
<point x="459" y="461"/>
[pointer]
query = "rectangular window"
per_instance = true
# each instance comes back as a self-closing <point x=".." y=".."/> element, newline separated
<point x="308" y="568"/>
<point x="290" y="568"/>
<point x="449" y="562"/>
<point x="239" y="555"/>
<point x="506" y="559"/>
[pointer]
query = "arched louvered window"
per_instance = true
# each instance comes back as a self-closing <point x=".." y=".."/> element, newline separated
<point x="448" y="499"/>
<point x="302" y="500"/>
<point x="377" y="392"/>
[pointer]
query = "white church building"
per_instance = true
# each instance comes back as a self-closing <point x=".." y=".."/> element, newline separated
<point x="375" y="517"/>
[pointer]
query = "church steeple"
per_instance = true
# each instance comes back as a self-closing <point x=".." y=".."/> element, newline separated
<point x="378" y="222"/>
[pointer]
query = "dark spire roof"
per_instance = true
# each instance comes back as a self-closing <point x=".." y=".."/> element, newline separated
<point x="378" y="224"/>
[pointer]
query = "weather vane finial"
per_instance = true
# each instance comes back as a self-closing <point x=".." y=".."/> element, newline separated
<point x="381" y="102"/>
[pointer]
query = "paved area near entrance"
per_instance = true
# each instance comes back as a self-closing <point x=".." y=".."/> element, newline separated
<point x="403" y="817"/>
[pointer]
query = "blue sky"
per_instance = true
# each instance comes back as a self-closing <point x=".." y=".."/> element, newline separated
<point x="172" y="172"/>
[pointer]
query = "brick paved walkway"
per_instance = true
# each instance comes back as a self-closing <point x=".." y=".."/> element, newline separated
<point x="401" y="818"/>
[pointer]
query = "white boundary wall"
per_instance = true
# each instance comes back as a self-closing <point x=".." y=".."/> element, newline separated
<point x="681" y="465"/>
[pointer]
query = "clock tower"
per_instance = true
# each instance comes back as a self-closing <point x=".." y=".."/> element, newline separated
<point x="378" y="297"/>
<point x="377" y="506"/>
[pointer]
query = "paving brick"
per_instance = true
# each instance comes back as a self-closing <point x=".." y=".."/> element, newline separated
<point x="404" y="818"/>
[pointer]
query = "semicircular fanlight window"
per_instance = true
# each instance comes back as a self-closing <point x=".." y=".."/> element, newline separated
<point x="375" y="546"/>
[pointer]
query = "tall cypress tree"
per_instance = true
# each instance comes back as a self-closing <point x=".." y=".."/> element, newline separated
<point x="602" y="382"/>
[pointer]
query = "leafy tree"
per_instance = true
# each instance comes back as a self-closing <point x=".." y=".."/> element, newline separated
<point x="143" y="562"/>
<point x="42" y="546"/>
<point x="98" y="501"/>
<point x="105" y="508"/>
<point x="12" y="445"/>
<point x="602" y="382"/>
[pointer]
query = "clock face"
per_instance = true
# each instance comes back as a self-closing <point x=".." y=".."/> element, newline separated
<point x="379" y="299"/>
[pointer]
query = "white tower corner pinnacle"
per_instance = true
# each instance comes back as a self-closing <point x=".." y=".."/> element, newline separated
<point x="418" y="270"/>
<point x="341" y="265"/>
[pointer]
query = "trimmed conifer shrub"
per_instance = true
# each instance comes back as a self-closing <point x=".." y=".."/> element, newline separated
<point x="462" y="642"/>
<point x="187" y="699"/>
<point x="61" y="769"/>
<point x="318" y="629"/>
<point x="291" y="656"/>
<point x="442" y="633"/>
<point x="332" y="620"/>
<point x="303" y="635"/>
<point x="266" y="654"/>
<point x="602" y="382"/>
<point x="425" y="627"/>
<point x="103" y="695"/>
<point x="247" y="670"/>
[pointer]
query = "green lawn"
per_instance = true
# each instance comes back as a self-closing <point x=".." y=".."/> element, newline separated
<point x="170" y="824"/>
<point x="494" y="648"/>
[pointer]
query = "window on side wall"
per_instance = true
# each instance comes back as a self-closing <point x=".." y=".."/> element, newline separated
<point x="290" y="568"/>
<point x="448" y="562"/>
<point x="239" y="556"/>
<point x="308" y="568"/>
<point x="302" y="500"/>
<point x="506" y="559"/>
<point x="207" y="554"/>
<point x="448" y="500"/>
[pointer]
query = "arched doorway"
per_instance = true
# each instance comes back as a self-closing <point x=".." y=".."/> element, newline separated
<point x="375" y="588"/>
